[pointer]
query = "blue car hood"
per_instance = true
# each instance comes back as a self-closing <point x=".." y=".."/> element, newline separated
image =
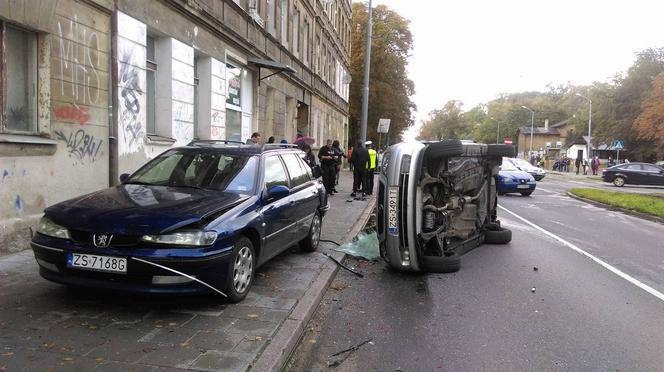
<point x="139" y="209"/>
<point x="516" y="175"/>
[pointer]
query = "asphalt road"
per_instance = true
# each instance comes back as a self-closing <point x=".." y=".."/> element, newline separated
<point x="594" y="302"/>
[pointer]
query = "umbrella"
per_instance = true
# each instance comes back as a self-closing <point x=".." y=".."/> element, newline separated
<point x="304" y="140"/>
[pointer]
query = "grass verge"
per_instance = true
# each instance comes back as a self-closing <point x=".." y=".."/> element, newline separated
<point x="648" y="204"/>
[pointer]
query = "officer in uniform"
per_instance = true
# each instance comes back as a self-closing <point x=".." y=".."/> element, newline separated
<point x="371" y="168"/>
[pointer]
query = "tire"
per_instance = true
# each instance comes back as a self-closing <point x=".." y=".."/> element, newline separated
<point x="443" y="149"/>
<point x="240" y="274"/>
<point x="441" y="264"/>
<point x="310" y="243"/>
<point x="526" y="193"/>
<point x="500" y="150"/>
<point x="619" y="181"/>
<point x="501" y="236"/>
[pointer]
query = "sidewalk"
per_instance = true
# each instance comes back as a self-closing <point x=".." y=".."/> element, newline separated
<point x="45" y="326"/>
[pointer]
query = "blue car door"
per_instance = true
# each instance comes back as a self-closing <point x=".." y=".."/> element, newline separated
<point x="304" y="195"/>
<point x="275" y="211"/>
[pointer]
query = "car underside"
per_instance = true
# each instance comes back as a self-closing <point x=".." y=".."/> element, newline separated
<point x="451" y="192"/>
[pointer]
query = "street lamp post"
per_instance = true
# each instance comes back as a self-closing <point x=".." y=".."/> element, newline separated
<point x="532" y="129"/>
<point x="365" y="88"/>
<point x="498" y="131"/>
<point x="590" y="123"/>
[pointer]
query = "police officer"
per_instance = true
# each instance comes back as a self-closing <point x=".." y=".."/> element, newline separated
<point x="371" y="168"/>
<point x="328" y="166"/>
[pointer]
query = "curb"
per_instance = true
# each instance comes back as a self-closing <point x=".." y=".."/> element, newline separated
<point x="276" y="354"/>
<point x="617" y="209"/>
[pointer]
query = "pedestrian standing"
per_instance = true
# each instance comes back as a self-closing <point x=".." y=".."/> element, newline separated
<point x="577" y="164"/>
<point x="371" y="168"/>
<point x="327" y="164"/>
<point x="309" y="156"/>
<point x="349" y="155"/>
<point x="585" y="167"/>
<point x="359" y="161"/>
<point x="595" y="165"/>
<point x="338" y="154"/>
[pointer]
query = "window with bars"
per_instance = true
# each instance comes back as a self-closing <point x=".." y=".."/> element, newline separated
<point x="19" y="90"/>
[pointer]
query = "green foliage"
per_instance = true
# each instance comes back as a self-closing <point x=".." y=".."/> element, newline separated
<point x="389" y="87"/>
<point x="649" y="204"/>
<point x="627" y="108"/>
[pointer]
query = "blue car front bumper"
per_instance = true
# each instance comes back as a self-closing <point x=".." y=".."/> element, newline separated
<point x="140" y="277"/>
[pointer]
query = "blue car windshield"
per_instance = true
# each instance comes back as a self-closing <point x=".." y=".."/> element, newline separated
<point x="205" y="170"/>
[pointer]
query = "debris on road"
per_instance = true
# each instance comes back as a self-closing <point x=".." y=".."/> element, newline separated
<point x="365" y="245"/>
<point x="344" y="266"/>
<point x="532" y="289"/>
<point x="352" y="348"/>
<point x="535" y="268"/>
<point x="346" y="353"/>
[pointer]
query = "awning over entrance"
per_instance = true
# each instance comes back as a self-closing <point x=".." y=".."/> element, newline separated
<point x="271" y="65"/>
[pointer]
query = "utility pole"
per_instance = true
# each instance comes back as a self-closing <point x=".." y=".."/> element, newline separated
<point x="365" y="88"/>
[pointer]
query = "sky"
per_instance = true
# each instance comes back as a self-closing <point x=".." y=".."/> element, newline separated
<point x="474" y="50"/>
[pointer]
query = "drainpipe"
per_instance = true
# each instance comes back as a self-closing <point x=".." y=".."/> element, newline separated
<point x="113" y="104"/>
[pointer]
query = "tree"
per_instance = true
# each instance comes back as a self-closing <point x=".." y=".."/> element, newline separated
<point x="447" y="123"/>
<point x="389" y="87"/>
<point x="649" y="125"/>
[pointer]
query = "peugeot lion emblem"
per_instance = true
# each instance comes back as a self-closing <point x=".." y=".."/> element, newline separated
<point x="101" y="241"/>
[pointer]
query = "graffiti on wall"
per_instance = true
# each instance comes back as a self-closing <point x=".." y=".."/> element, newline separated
<point x="78" y="58"/>
<point x="75" y="113"/>
<point x="130" y="105"/>
<point x="81" y="145"/>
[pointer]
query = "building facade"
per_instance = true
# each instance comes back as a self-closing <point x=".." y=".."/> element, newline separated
<point x="92" y="89"/>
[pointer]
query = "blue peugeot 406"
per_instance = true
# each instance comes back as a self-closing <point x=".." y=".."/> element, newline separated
<point x="195" y="219"/>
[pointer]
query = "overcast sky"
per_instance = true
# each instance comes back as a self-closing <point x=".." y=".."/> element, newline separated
<point x="473" y="50"/>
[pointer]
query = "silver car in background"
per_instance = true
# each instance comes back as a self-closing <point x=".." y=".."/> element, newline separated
<point x="437" y="201"/>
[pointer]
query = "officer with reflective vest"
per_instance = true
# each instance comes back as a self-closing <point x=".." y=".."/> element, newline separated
<point x="371" y="167"/>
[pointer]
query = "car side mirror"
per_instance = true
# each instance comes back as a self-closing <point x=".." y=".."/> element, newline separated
<point x="277" y="192"/>
<point x="124" y="177"/>
<point x="316" y="172"/>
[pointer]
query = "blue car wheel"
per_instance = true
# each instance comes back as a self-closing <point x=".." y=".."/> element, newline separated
<point x="240" y="274"/>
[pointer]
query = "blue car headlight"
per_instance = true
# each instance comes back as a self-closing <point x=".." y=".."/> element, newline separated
<point x="50" y="228"/>
<point x="183" y="237"/>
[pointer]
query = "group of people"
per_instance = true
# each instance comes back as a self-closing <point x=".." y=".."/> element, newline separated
<point x="363" y="160"/>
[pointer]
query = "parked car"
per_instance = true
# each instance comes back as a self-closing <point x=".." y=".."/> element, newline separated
<point x="635" y="174"/>
<point x="436" y="201"/>
<point x="195" y="219"/>
<point x="512" y="180"/>
<point x="522" y="165"/>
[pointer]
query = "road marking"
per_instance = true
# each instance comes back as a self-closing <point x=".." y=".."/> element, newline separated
<point x="614" y="270"/>
<point x="543" y="189"/>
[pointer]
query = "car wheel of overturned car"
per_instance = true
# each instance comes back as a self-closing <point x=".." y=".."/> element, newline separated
<point x="500" y="236"/>
<point x="443" y="149"/>
<point x="240" y="270"/>
<point x="500" y="150"/>
<point x="619" y="181"/>
<point x="441" y="264"/>
<point x="526" y="193"/>
<point x="310" y="243"/>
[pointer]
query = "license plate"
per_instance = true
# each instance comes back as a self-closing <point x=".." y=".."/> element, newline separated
<point x="97" y="263"/>
<point x="392" y="199"/>
<point x="522" y="186"/>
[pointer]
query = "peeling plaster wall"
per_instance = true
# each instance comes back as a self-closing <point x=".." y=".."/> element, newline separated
<point x="72" y="107"/>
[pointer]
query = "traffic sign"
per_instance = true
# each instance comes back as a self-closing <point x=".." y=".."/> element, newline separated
<point x="383" y="125"/>
<point x="619" y="144"/>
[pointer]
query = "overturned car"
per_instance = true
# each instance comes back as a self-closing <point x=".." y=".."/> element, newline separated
<point x="437" y="201"/>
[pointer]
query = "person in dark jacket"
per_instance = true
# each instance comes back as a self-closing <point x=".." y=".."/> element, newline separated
<point x="328" y="166"/>
<point x="359" y="160"/>
<point x="309" y="156"/>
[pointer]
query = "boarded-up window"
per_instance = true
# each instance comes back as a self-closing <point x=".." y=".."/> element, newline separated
<point x="19" y="98"/>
